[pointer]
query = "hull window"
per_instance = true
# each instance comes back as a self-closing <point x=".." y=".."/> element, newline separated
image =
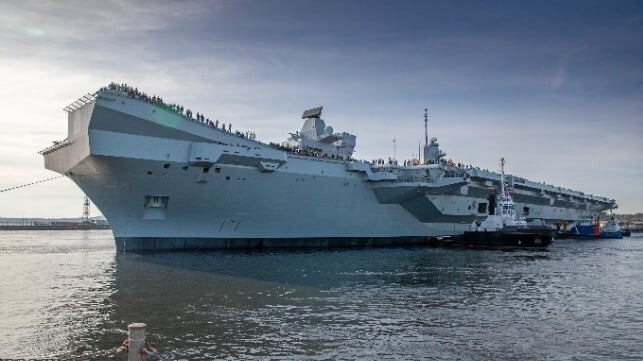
<point x="155" y="207"/>
<point x="156" y="201"/>
<point x="482" y="207"/>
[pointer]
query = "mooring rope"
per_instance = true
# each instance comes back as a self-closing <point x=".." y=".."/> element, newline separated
<point x="146" y="350"/>
<point x="30" y="184"/>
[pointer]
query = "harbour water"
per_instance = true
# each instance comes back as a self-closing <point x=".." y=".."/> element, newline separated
<point x="65" y="293"/>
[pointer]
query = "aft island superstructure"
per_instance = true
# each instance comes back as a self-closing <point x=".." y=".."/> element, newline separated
<point x="167" y="180"/>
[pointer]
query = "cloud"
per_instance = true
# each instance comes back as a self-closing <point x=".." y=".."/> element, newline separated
<point x="552" y="96"/>
<point x="83" y="20"/>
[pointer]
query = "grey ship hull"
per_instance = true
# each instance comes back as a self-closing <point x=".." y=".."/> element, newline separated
<point x="238" y="208"/>
<point x="166" y="182"/>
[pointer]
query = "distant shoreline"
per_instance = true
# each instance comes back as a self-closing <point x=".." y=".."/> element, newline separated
<point x="50" y="227"/>
<point x="52" y="224"/>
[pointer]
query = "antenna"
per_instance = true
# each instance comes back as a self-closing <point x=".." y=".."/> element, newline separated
<point x="86" y="210"/>
<point x="426" y="121"/>
<point x="502" y="177"/>
<point x="394" y="149"/>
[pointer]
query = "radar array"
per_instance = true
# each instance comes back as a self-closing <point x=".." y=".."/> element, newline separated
<point x="312" y="113"/>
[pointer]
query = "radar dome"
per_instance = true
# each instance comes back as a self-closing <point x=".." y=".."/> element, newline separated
<point x="329" y="130"/>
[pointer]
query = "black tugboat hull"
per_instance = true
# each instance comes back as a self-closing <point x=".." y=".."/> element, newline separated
<point x="498" y="240"/>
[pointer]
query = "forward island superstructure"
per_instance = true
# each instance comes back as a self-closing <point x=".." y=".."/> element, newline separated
<point x="167" y="180"/>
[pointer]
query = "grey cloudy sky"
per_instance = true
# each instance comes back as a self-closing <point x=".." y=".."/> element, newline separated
<point x="554" y="87"/>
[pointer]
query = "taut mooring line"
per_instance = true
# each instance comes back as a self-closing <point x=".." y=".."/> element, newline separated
<point x="29" y="184"/>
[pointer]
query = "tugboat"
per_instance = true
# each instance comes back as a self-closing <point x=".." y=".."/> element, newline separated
<point x="611" y="229"/>
<point x="502" y="229"/>
<point x="591" y="229"/>
<point x="583" y="229"/>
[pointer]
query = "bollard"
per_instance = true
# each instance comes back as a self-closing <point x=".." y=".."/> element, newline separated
<point x="136" y="336"/>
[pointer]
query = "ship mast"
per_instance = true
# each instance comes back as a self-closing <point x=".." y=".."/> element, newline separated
<point x="394" y="149"/>
<point x="502" y="178"/>
<point x="426" y="121"/>
<point x="426" y="134"/>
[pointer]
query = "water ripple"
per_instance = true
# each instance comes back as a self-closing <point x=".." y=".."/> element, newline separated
<point x="67" y="294"/>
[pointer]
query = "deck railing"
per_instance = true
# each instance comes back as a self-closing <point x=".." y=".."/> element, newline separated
<point x="79" y="103"/>
<point x="56" y="145"/>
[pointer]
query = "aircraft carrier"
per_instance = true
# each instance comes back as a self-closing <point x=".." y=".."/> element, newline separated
<point x="167" y="179"/>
